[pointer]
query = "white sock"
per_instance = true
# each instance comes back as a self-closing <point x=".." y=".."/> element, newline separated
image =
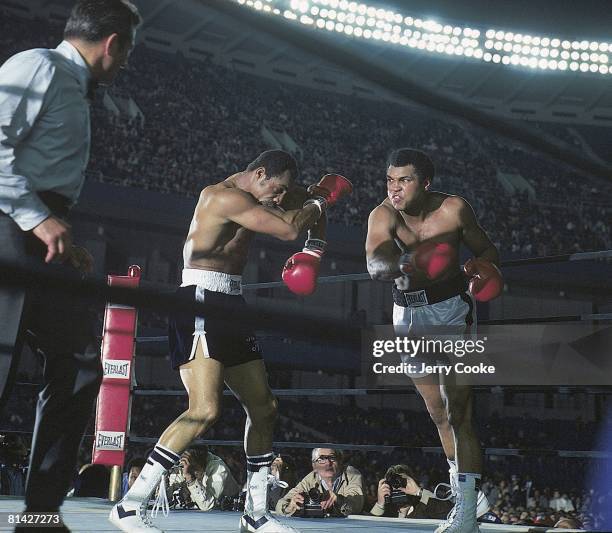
<point x="452" y="474"/>
<point x="258" y="468"/>
<point x="160" y="461"/>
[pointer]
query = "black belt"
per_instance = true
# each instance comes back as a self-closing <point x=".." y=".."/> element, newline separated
<point x="431" y="295"/>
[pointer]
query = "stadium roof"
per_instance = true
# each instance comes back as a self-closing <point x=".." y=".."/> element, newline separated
<point x="198" y="30"/>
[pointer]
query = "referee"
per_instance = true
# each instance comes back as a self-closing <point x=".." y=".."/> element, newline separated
<point x="44" y="150"/>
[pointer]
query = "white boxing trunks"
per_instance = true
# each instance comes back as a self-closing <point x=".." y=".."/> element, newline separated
<point x="446" y="310"/>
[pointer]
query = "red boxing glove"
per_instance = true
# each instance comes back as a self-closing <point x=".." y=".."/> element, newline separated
<point x="329" y="190"/>
<point x="301" y="269"/>
<point x="486" y="280"/>
<point x="432" y="258"/>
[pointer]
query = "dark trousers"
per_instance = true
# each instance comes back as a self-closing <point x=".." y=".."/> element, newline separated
<point x="60" y="328"/>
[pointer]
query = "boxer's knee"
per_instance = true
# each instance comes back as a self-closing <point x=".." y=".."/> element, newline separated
<point x="202" y="417"/>
<point x="439" y="415"/>
<point x="459" y="413"/>
<point x="265" y="413"/>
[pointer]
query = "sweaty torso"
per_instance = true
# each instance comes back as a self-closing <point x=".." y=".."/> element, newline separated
<point x="214" y="242"/>
<point x="440" y="224"/>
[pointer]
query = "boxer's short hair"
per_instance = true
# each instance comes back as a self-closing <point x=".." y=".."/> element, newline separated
<point x="275" y="162"/>
<point x="421" y="162"/>
<point x="93" y="20"/>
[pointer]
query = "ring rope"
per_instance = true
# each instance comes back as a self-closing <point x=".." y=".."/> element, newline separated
<point x="97" y="289"/>
<point x="304" y="393"/>
<point x="520" y="452"/>
<point x="563" y="258"/>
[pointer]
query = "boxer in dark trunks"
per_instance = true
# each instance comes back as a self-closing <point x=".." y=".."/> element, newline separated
<point x="211" y="350"/>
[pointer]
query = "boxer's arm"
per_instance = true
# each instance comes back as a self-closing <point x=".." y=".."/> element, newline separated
<point x="248" y="213"/>
<point x="472" y="234"/>
<point x="382" y="254"/>
<point x="294" y="200"/>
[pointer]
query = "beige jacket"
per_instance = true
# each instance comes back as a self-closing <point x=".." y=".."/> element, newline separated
<point x="216" y="482"/>
<point x="349" y="491"/>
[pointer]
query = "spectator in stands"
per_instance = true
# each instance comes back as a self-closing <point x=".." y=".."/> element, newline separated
<point x="201" y="480"/>
<point x="93" y="481"/>
<point x="342" y="486"/>
<point x="132" y="472"/>
<point x="414" y="500"/>
<point x="561" y="502"/>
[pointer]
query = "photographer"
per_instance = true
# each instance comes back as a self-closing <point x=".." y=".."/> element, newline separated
<point x="400" y="496"/>
<point x="329" y="490"/>
<point x="200" y="480"/>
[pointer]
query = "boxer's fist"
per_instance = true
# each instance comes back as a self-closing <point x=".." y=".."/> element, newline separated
<point x="486" y="280"/>
<point x="431" y="258"/>
<point x="331" y="188"/>
<point x="301" y="270"/>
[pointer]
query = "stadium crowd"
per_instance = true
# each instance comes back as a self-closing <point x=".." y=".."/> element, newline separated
<point x="199" y="122"/>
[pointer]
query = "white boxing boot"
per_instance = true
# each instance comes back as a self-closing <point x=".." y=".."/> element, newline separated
<point x="462" y="518"/>
<point x="256" y="517"/>
<point x="482" y="504"/>
<point x="130" y="514"/>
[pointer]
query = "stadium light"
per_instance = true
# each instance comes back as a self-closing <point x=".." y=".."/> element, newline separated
<point x="363" y="21"/>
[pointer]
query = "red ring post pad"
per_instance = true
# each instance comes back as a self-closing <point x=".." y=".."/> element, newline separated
<point x="113" y="408"/>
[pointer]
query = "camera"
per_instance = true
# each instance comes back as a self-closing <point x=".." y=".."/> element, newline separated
<point x="233" y="503"/>
<point x="180" y="498"/>
<point x="312" y="503"/>
<point x="397" y="496"/>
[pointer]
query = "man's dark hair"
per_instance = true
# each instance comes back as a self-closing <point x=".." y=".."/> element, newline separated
<point x="136" y="462"/>
<point x="399" y="469"/>
<point x="409" y="156"/>
<point x="93" y="20"/>
<point x="199" y="455"/>
<point x="275" y="162"/>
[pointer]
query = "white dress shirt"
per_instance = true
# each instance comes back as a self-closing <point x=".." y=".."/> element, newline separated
<point x="44" y="130"/>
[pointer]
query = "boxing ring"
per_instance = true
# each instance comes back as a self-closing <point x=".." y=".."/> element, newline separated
<point x="84" y="515"/>
<point x="90" y="514"/>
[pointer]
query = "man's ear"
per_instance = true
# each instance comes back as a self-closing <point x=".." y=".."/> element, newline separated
<point x="112" y="44"/>
<point x="427" y="184"/>
<point x="260" y="173"/>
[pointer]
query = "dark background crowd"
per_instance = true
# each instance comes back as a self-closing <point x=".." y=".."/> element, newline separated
<point x="198" y="122"/>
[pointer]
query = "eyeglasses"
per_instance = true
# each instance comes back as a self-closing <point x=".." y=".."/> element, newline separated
<point x="324" y="458"/>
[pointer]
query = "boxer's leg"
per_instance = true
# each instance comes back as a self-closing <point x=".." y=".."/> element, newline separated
<point x="430" y="391"/>
<point x="458" y="400"/>
<point x="249" y="382"/>
<point x="468" y="497"/>
<point x="203" y="381"/>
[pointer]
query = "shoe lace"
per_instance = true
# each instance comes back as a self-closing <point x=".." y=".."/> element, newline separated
<point x="448" y="489"/>
<point x="274" y="482"/>
<point x="144" y="515"/>
<point x="161" y="501"/>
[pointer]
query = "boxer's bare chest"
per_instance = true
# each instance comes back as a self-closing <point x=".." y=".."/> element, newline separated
<point x="438" y="226"/>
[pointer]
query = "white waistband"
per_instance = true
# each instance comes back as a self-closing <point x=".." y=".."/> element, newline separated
<point x="213" y="281"/>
